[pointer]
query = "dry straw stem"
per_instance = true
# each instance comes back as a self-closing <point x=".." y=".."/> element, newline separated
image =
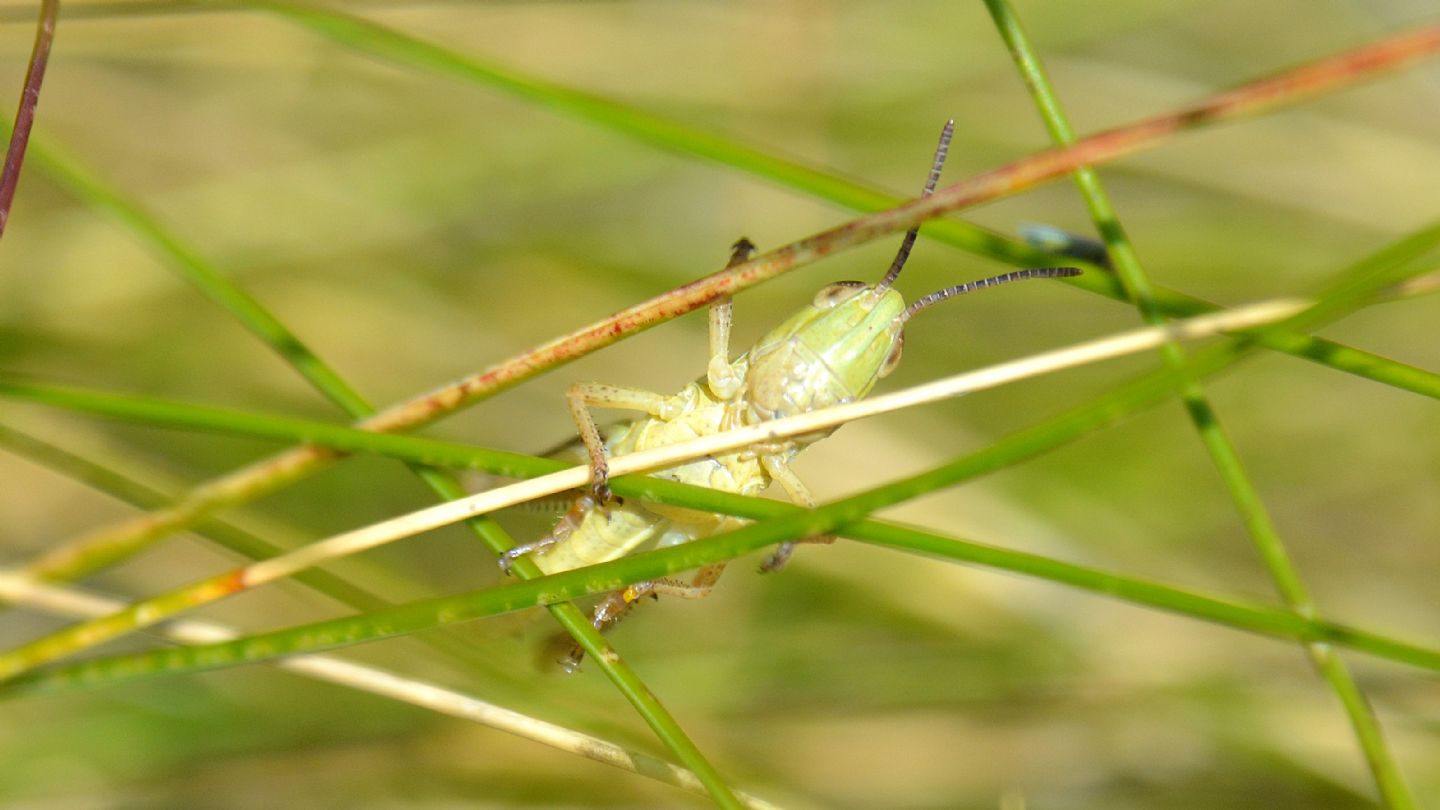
<point x="492" y="500"/>
<point x="109" y="544"/>
<point x="76" y="604"/>
<point x="159" y="608"/>
<point x="25" y="115"/>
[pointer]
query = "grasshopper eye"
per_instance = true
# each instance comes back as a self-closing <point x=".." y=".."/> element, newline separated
<point x="832" y="294"/>
<point x="894" y="359"/>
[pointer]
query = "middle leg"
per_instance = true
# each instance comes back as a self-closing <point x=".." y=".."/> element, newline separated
<point x="583" y="396"/>
<point x="779" y="469"/>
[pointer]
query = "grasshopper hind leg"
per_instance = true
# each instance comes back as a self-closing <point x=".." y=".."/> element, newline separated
<point x="618" y="604"/>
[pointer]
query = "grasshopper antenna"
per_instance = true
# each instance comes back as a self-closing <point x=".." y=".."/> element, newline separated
<point x="994" y="281"/>
<point x="941" y="150"/>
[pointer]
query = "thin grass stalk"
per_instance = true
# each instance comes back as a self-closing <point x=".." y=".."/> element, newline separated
<point x="113" y="543"/>
<point x="435" y="452"/>
<point x="442" y="453"/>
<point x="25" y="114"/>
<point x="430" y="614"/>
<point x="572" y="619"/>
<point x="955" y="233"/>
<point x="779" y="522"/>
<point x="128" y="488"/>
<point x="199" y="273"/>
<point x="1385" y="771"/>
<point x="1290" y="87"/>
<point x="431" y="452"/>
<point x="77" y="604"/>
<point x="667" y="133"/>
<point x="210" y="589"/>
<point x="1348" y="292"/>
<point x="264" y="325"/>
<point x="1367" y="280"/>
<point x="82" y="469"/>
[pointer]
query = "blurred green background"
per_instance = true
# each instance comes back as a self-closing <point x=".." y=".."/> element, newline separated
<point x="413" y="228"/>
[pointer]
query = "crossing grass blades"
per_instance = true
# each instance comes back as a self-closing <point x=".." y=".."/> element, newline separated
<point x="831" y="352"/>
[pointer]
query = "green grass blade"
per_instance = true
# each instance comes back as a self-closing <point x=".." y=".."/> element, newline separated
<point x="1014" y="450"/>
<point x="1355" y="283"/>
<point x="792" y="524"/>
<point x="1366" y="726"/>
<point x="672" y="135"/>
<point x="132" y="491"/>
<point x="199" y="273"/>
<point x="128" y="488"/>
<point x="432" y="613"/>
<point x="630" y="684"/>
<point x="269" y="475"/>
<point x="156" y="411"/>
<point x="75" y="638"/>
<point x="1355" y="286"/>
<point x="269" y="329"/>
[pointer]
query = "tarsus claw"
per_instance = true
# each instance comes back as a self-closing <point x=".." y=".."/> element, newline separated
<point x="600" y="484"/>
<point x="570" y="662"/>
<point x="508" y="559"/>
<point x="778" y="559"/>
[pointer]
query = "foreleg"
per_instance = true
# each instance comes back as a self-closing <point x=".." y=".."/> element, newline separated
<point x="582" y="397"/>
<point x="781" y="473"/>
<point x="720" y="374"/>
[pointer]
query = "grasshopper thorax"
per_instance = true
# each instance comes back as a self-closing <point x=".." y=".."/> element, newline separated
<point x="830" y="352"/>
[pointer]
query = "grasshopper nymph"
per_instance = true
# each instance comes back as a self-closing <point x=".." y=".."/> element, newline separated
<point x="831" y="352"/>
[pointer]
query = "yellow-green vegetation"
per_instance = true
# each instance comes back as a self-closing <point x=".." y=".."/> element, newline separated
<point x="1198" y="578"/>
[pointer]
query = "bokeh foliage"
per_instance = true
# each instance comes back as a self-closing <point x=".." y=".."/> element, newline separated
<point x="412" y="228"/>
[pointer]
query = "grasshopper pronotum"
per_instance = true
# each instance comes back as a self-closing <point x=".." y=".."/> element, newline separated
<point x="832" y="351"/>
